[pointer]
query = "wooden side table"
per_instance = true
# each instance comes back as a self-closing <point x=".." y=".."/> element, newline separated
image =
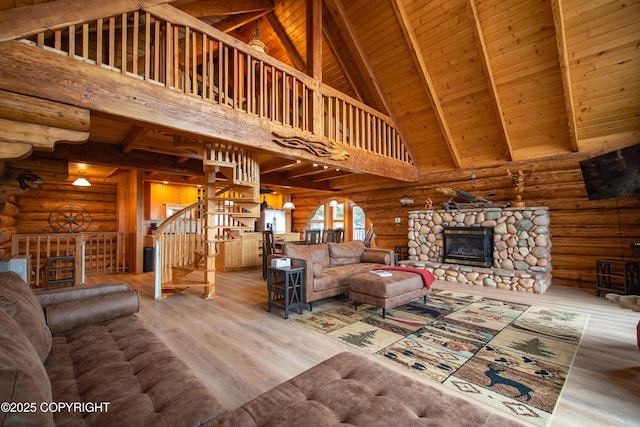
<point x="617" y="276"/>
<point x="285" y="288"/>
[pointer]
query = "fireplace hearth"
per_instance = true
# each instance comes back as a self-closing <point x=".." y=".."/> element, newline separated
<point x="468" y="246"/>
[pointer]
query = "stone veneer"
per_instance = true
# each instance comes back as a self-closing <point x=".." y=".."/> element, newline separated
<point x="521" y="251"/>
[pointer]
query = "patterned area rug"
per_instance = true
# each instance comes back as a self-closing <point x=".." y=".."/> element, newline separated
<point x="514" y="357"/>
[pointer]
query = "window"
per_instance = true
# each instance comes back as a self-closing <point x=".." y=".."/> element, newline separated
<point x="317" y="222"/>
<point x="358" y="223"/>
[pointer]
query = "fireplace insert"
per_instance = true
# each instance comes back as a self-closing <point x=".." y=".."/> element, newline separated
<point x="468" y="246"/>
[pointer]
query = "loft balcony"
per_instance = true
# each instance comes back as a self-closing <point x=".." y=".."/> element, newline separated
<point x="221" y="89"/>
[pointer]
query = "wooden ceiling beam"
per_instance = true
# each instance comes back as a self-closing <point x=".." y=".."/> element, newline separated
<point x="288" y="45"/>
<point x="348" y="34"/>
<point x="563" y="56"/>
<point x="429" y="86"/>
<point x="236" y="21"/>
<point x="361" y="61"/>
<point x="474" y="17"/>
<point x="332" y="44"/>
<point x="110" y="155"/>
<point x="209" y="8"/>
<point x="133" y="138"/>
<point x="277" y="165"/>
<point x="280" y="179"/>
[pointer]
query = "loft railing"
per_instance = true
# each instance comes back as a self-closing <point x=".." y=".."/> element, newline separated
<point x="95" y="253"/>
<point x="164" y="46"/>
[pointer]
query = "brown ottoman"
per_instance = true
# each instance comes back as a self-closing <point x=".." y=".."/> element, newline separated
<point x="386" y="292"/>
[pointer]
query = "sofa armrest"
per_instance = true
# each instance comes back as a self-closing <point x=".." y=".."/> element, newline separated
<point x="67" y="315"/>
<point x="47" y="297"/>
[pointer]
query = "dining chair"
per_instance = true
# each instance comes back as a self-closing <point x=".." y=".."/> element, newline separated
<point x="313" y="237"/>
<point x="268" y="248"/>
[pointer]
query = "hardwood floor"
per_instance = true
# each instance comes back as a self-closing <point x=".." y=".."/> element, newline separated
<point x="239" y="350"/>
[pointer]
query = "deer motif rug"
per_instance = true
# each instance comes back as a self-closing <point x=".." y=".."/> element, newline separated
<point x="514" y="357"/>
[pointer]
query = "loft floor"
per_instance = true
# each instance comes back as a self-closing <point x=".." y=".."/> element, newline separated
<point x="239" y="350"/>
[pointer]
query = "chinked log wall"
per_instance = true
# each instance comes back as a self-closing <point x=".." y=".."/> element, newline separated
<point x="582" y="230"/>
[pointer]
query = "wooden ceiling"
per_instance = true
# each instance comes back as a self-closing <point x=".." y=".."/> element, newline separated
<point x="470" y="83"/>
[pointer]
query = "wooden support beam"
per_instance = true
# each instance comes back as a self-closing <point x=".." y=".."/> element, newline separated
<point x="134" y="137"/>
<point x="110" y="155"/>
<point x="429" y="86"/>
<point x="346" y="68"/>
<point x="279" y="30"/>
<point x="563" y="57"/>
<point x="488" y="71"/>
<point x="205" y="9"/>
<point x="360" y="58"/>
<point x="40" y="137"/>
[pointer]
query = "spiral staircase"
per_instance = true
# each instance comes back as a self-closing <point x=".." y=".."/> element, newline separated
<point x="188" y="241"/>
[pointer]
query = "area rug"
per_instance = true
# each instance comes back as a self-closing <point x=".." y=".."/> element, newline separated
<point x="514" y="357"/>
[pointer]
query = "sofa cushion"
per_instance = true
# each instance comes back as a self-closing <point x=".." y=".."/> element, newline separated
<point x="316" y="253"/>
<point x="23" y="378"/>
<point x="71" y="314"/>
<point x="345" y="253"/>
<point x="21" y="304"/>
<point x="122" y="362"/>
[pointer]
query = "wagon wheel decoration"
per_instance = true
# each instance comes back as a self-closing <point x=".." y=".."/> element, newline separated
<point x="69" y="219"/>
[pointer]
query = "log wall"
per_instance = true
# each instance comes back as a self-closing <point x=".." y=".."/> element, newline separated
<point x="582" y="230"/>
<point x="36" y="206"/>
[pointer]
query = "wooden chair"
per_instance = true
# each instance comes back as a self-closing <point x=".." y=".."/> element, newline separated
<point x="268" y="248"/>
<point x="336" y="236"/>
<point x="368" y="238"/>
<point x="312" y="237"/>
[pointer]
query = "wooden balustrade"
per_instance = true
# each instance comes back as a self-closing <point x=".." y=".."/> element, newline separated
<point x="165" y="47"/>
<point x="95" y="253"/>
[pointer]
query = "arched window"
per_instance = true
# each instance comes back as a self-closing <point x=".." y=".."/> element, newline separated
<point x="339" y="214"/>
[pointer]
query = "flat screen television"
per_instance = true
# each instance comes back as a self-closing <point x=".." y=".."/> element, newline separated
<point x="615" y="174"/>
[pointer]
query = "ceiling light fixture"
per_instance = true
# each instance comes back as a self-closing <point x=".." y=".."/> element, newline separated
<point x="81" y="182"/>
<point x="288" y="205"/>
<point x="333" y="203"/>
<point x="256" y="43"/>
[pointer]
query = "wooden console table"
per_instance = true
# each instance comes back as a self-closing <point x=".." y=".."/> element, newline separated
<point x="617" y="276"/>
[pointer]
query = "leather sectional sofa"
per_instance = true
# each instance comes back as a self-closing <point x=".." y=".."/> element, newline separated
<point x="328" y="266"/>
<point x="81" y="357"/>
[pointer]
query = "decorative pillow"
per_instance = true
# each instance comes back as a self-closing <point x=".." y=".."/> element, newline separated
<point x="346" y="253"/>
<point x="21" y="304"/>
<point x="376" y="257"/>
<point x="85" y="311"/>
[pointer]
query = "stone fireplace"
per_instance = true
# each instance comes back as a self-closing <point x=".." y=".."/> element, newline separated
<point x="520" y="246"/>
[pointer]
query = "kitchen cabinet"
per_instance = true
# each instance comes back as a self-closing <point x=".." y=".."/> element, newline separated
<point x="161" y="195"/>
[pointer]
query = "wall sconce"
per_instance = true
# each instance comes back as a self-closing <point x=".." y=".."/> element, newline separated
<point x="406" y="201"/>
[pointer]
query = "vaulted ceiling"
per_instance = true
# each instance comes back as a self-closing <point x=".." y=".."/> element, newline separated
<point x="469" y="83"/>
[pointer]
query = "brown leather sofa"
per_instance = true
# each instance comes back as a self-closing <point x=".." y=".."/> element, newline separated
<point x="328" y="266"/>
<point x="81" y="357"/>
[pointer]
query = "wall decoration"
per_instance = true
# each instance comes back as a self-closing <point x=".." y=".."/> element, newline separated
<point x="69" y="218"/>
<point x="318" y="148"/>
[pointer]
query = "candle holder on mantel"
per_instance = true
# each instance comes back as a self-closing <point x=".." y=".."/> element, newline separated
<point x="518" y="180"/>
